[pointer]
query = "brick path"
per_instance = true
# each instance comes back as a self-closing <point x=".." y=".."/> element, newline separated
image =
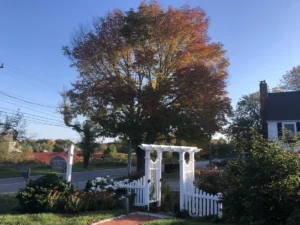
<point x="133" y="219"/>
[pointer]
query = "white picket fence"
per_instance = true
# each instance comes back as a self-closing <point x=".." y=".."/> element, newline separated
<point x="199" y="203"/>
<point x="137" y="187"/>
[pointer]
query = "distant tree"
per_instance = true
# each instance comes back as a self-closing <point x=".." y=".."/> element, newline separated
<point x="150" y="72"/>
<point x="15" y="122"/>
<point x="246" y="117"/>
<point x="88" y="143"/>
<point x="291" y="80"/>
<point x="111" y="152"/>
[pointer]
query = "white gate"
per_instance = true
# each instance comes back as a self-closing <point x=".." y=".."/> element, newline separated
<point x="196" y="202"/>
<point x="136" y="187"/>
<point x="199" y="203"/>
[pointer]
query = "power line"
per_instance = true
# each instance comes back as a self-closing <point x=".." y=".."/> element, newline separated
<point x="25" y="73"/>
<point x="33" y="103"/>
<point x="19" y="76"/>
<point x="32" y="115"/>
<point x="23" y="97"/>
<point x="9" y="102"/>
<point x="33" y="118"/>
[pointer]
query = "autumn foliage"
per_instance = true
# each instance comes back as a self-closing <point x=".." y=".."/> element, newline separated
<point x="149" y="73"/>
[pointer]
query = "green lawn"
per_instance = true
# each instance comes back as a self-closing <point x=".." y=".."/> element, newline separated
<point x="9" y="217"/>
<point x="57" y="219"/>
<point x="14" y="170"/>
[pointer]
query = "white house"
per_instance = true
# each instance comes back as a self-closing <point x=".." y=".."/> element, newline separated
<point x="279" y="111"/>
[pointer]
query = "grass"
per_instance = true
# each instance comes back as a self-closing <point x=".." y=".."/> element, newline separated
<point x="58" y="219"/>
<point x="179" y="222"/>
<point x="8" y="203"/>
<point x="14" y="170"/>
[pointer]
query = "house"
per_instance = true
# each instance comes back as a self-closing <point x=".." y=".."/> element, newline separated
<point x="279" y="111"/>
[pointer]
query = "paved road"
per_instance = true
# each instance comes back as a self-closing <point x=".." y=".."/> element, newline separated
<point x="78" y="179"/>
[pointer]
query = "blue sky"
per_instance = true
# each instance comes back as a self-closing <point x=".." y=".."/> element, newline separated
<point x="262" y="39"/>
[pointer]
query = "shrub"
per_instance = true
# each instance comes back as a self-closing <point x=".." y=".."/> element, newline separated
<point x="110" y="152"/>
<point x="166" y="196"/>
<point x="265" y="188"/>
<point x="294" y="218"/>
<point x="78" y="201"/>
<point x="209" y="181"/>
<point x="35" y="197"/>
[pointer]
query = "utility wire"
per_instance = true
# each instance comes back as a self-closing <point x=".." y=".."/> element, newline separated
<point x="32" y="118"/>
<point x="19" y="96"/>
<point x="16" y="76"/>
<point x="33" y="103"/>
<point x="32" y="115"/>
<point x="11" y="68"/>
<point x="7" y="101"/>
<point x="36" y="121"/>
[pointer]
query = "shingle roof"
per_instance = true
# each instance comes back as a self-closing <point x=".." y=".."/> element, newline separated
<point x="283" y="106"/>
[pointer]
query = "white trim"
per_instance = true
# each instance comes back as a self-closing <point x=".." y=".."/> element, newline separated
<point x="288" y="123"/>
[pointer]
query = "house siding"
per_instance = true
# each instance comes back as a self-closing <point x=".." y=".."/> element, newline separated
<point x="272" y="131"/>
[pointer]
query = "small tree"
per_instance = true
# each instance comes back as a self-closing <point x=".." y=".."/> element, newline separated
<point x="291" y="80"/>
<point x="246" y="116"/>
<point x="110" y="152"/>
<point x="264" y="188"/>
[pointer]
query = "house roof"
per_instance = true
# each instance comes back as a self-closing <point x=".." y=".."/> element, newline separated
<point x="283" y="106"/>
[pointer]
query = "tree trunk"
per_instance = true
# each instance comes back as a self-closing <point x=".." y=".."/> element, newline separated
<point x="86" y="160"/>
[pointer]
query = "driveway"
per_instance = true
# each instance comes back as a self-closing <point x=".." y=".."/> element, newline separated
<point x="79" y="179"/>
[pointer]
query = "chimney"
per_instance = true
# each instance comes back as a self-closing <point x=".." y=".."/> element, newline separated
<point x="263" y="93"/>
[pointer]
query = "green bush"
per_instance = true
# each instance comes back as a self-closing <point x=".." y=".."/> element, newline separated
<point x="78" y="201"/>
<point x="35" y="197"/>
<point x="110" y="152"/>
<point x="265" y="188"/>
<point x="166" y="196"/>
<point x="210" y="181"/>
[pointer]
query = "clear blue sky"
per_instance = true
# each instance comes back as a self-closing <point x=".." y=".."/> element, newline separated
<point x="262" y="38"/>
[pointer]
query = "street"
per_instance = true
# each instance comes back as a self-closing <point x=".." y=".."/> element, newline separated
<point x="79" y="179"/>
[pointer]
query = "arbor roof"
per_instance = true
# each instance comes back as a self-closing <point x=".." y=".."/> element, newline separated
<point x="169" y="148"/>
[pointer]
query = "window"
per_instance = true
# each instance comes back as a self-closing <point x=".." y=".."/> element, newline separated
<point x="289" y="129"/>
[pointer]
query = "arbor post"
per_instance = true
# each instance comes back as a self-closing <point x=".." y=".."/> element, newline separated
<point x="147" y="178"/>
<point x="158" y="182"/>
<point x="181" y="179"/>
<point x="70" y="163"/>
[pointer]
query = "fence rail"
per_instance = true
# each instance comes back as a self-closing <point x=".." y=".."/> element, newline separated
<point x="199" y="203"/>
<point x="137" y="187"/>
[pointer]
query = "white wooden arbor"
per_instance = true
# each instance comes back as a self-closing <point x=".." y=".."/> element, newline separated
<point x="153" y="171"/>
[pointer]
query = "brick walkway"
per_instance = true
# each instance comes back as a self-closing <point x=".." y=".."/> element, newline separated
<point x="133" y="219"/>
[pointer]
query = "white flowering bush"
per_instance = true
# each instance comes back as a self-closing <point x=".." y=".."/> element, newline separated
<point x="108" y="185"/>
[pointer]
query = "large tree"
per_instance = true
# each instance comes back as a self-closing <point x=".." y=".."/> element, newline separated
<point x="291" y="80"/>
<point x="150" y="72"/>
